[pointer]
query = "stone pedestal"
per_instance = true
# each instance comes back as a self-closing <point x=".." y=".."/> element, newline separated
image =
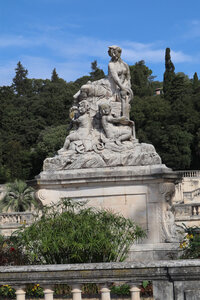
<point x="142" y="193"/>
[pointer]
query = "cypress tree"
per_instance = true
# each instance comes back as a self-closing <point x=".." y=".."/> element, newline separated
<point x="169" y="75"/>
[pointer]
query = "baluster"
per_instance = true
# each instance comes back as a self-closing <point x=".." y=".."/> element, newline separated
<point x="105" y="293"/>
<point x="76" y="292"/>
<point x="20" y="293"/>
<point x="48" y="293"/>
<point x="135" y="293"/>
<point x="198" y="210"/>
<point x="192" y="210"/>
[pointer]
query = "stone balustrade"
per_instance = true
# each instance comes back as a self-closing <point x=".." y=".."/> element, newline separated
<point x="10" y="221"/>
<point x="189" y="173"/>
<point x="172" y="280"/>
<point x="187" y="212"/>
<point x="16" y="217"/>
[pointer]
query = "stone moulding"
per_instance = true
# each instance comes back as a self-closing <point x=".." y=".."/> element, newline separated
<point x="106" y="174"/>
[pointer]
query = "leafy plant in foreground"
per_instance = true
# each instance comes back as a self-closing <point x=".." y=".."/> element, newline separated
<point x="70" y="232"/>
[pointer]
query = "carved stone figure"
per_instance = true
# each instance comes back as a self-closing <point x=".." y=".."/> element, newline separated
<point x="83" y="131"/>
<point x="116" y="87"/>
<point x="170" y="231"/>
<point x="116" y="129"/>
<point x="120" y="79"/>
<point x="102" y="133"/>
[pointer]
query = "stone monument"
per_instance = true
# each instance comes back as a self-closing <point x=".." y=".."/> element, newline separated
<point x="102" y="162"/>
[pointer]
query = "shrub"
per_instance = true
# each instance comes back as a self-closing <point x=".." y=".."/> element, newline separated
<point x="70" y="232"/>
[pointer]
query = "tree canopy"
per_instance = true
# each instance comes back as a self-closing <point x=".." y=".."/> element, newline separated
<point x="34" y="117"/>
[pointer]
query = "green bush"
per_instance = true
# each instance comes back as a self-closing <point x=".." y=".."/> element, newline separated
<point x="120" y="290"/>
<point x="70" y="232"/>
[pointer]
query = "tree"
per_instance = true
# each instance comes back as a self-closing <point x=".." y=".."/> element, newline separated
<point x="168" y="75"/>
<point x="71" y="233"/>
<point x="20" y="80"/>
<point x="195" y="84"/>
<point x="19" y="197"/>
<point x="54" y="76"/>
<point x="141" y="79"/>
<point x="96" y="73"/>
<point x="50" y="140"/>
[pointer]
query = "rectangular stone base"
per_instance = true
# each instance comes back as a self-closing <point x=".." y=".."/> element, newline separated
<point x="135" y="192"/>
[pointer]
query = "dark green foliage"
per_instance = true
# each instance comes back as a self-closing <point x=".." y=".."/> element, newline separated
<point x="168" y="75"/>
<point x="120" y="290"/>
<point x="141" y="79"/>
<point x="20" y="81"/>
<point x="96" y="73"/>
<point x="196" y="84"/>
<point x="34" y="117"/>
<point x="71" y="233"/>
<point x="54" y="76"/>
<point x="50" y="140"/>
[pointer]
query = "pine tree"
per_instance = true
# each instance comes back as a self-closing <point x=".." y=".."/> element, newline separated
<point x="96" y="73"/>
<point x="54" y="76"/>
<point x="20" y="80"/>
<point x="169" y="75"/>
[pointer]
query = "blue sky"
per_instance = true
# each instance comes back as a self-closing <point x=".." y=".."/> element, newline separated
<point x="69" y="34"/>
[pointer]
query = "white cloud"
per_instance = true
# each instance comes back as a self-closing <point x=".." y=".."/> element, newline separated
<point x="71" y="47"/>
<point x="179" y="57"/>
<point x="72" y="55"/>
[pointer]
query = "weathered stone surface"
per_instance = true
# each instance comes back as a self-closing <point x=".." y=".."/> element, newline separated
<point x="103" y="163"/>
<point x="103" y="135"/>
<point x="142" y="193"/>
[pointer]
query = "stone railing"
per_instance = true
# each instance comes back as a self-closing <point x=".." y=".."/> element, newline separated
<point x="187" y="212"/>
<point x="189" y="173"/>
<point x="172" y="280"/>
<point x="11" y="221"/>
<point x="192" y="194"/>
<point x="16" y="218"/>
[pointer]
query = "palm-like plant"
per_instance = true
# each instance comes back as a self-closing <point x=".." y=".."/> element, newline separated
<point x="19" y="197"/>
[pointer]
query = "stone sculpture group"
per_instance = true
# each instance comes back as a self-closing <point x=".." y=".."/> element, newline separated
<point x="103" y="134"/>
